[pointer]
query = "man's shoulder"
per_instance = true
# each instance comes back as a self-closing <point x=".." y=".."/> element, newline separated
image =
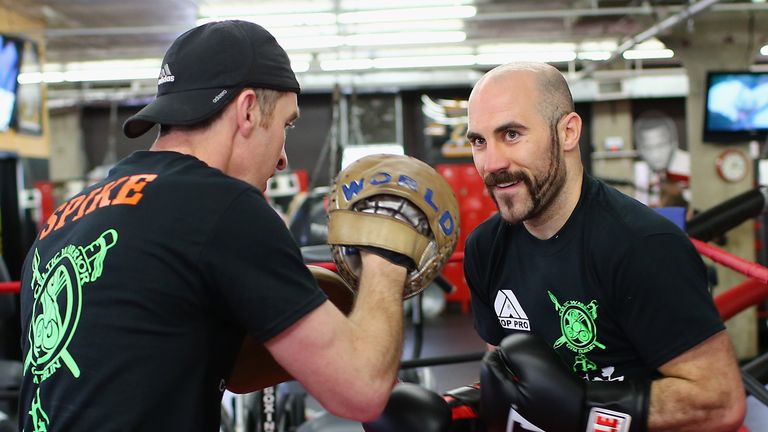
<point x="619" y="215"/>
<point x="184" y="184"/>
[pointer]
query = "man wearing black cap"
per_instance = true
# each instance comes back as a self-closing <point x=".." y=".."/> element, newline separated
<point x="138" y="291"/>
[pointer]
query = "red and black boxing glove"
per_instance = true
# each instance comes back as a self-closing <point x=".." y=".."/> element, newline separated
<point x="464" y="403"/>
<point x="524" y="372"/>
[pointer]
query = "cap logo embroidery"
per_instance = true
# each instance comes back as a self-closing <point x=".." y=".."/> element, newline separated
<point x="219" y="96"/>
<point x="165" y="75"/>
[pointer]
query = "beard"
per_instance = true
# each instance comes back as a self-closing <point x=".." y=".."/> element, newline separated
<point x="542" y="190"/>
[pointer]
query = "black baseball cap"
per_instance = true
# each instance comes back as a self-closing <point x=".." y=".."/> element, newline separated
<point x="206" y="67"/>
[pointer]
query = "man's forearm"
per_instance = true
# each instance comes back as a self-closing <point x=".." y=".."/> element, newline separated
<point x="680" y="405"/>
<point x="378" y="321"/>
<point x="701" y="390"/>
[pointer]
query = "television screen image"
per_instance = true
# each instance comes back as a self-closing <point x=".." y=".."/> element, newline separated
<point x="736" y="106"/>
<point x="10" y="56"/>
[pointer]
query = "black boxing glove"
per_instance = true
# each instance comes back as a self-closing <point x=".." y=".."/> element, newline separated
<point x="526" y="373"/>
<point x="412" y="408"/>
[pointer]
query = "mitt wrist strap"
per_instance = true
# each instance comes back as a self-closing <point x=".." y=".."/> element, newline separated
<point x="369" y="229"/>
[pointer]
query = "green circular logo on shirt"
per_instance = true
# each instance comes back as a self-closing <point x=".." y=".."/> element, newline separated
<point x="55" y="314"/>
<point x="577" y="326"/>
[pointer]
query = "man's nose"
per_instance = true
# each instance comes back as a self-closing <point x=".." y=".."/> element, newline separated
<point x="495" y="159"/>
<point x="282" y="162"/>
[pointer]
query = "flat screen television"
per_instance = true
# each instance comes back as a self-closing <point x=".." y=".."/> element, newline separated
<point x="10" y="60"/>
<point x="736" y="107"/>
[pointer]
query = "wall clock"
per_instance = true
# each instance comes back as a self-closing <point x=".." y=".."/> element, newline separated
<point x="732" y="165"/>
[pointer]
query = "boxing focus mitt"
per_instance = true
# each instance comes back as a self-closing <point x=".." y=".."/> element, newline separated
<point x="526" y="373"/>
<point x="395" y="206"/>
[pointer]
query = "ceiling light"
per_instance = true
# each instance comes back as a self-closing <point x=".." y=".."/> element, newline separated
<point x="547" y="57"/>
<point x="594" y="55"/>
<point x="404" y="38"/>
<point x="264" y="7"/>
<point x="526" y="47"/>
<point x="146" y="63"/>
<point x="764" y="50"/>
<point x="643" y="54"/>
<point x="346" y="64"/>
<point x="30" y="78"/>
<point x="304" y="43"/>
<point x="388" y="4"/>
<point x="410" y="14"/>
<point x="300" y="66"/>
<point x="422" y="25"/>
<point x="278" y="20"/>
<point x="423" y="61"/>
<point x="119" y="70"/>
<point x="53" y="77"/>
<point x="303" y="31"/>
<point x="417" y="51"/>
<point x="109" y="74"/>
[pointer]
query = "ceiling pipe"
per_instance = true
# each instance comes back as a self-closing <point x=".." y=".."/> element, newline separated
<point x="652" y="31"/>
<point x="508" y="15"/>
<point x="644" y="9"/>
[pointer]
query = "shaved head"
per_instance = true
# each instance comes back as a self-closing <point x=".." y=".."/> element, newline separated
<point x="554" y="99"/>
<point x="524" y="134"/>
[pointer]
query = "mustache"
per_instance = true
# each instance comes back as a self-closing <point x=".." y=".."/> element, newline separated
<point x="496" y="178"/>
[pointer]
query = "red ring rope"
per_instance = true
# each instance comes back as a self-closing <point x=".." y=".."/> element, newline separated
<point x="739" y="297"/>
<point x="9" y="287"/>
<point x="729" y="303"/>
<point x="747" y="268"/>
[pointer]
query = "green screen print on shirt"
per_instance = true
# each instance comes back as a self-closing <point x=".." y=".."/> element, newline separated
<point x="58" y="292"/>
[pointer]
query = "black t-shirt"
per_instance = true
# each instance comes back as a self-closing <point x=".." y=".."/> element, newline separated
<point x="138" y="291"/>
<point x="618" y="292"/>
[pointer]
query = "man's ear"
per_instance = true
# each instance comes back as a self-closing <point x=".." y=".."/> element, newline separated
<point x="248" y="113"/>
<point x="570" y="131"/>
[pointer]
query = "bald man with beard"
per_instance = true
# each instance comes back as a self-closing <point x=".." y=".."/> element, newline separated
<point x="596" y="309"/>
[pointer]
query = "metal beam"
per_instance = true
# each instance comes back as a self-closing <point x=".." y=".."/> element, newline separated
<point x="652" y="31"/>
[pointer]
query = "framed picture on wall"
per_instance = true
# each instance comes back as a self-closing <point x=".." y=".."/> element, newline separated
<point x="29" y="107"/>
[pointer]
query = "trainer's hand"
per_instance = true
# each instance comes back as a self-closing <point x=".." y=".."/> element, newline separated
<point x="526" y="373"/>
<point x="376" y="263"/>
<point x="391" y="256"/>
<point x="412" y="408"/>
